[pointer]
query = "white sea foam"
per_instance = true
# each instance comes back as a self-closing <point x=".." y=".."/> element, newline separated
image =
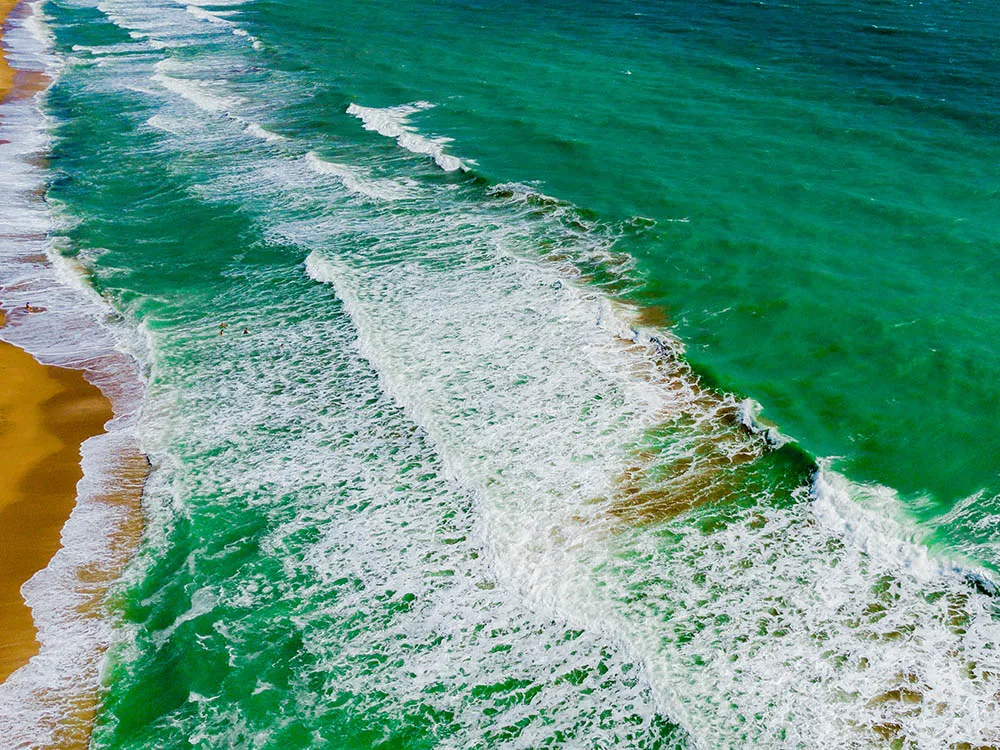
<point x="194" y="92"/>
<point x="750" y="417"/>
<point x="166" y="124"/>
<point x="34" y="22"/>
<point x="220" y="19"/>
<point x="218" y="4"/>
<point x="264" y="134"/>
<point x="354" y="539"/>
<point x="27" y="42"/>
<point x="872" y="518"/>
<point x="140" y="24"/>
<point x="518" y="192"/>
<point x="170" y="25"/>
<point x="431" y="327"/>
<point x="203" y="94"/>
<point x="207" y="15"/>
<point x="125" y="48"/>
<point x="357" y="181"/>
<point x="394" y="122"/>
<point x="508" y="401"/>
<point x="975" y="520"/>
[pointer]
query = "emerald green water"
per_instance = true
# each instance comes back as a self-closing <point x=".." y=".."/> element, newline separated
<point x="825" y="195"/>
<point x="458" y="484"/>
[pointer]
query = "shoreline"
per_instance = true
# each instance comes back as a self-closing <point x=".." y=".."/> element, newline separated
<point x="46" y="413"/>
<point x="71" y="464"/>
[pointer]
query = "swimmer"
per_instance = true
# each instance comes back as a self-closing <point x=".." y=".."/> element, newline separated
<point x="246" y="331"/>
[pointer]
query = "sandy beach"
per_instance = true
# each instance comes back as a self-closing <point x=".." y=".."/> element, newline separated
<point x="45" y="414"/>
<point x="6" y="73"/>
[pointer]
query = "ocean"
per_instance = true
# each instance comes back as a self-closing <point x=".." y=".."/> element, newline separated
<point x="523" y="375"/>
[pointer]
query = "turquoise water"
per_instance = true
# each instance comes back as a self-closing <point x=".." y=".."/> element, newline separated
<point x="822" y="178"/>
<point x="476" y="460"/>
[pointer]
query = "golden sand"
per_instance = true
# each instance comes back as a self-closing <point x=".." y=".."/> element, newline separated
<point x="17" y="83"/>
<point x="45" y="414"/>
<point x="6" y="73"/>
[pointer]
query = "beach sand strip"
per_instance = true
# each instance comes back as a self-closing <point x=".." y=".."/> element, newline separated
<point x="45" y="414"/>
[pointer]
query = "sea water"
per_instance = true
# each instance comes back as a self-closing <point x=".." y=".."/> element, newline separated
<point x="592" y="374"/>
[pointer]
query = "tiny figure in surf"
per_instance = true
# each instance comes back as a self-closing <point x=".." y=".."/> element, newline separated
<point x="222" y="328"/>
<point x="246" y="331"/>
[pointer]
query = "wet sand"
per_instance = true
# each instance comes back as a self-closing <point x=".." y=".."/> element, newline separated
<point x="45" y="414"/>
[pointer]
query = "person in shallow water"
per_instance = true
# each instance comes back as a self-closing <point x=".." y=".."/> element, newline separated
<point x="222" y="328"/>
